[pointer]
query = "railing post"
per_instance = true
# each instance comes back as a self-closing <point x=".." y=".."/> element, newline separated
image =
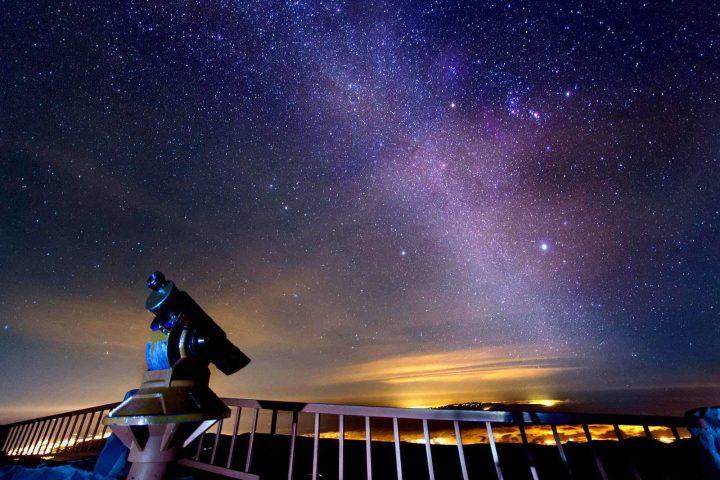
<point x="49" y="438"/>
<point x="41" y="434"/>
<point x="428" y="451"/>
<point x="45" y="440"/>
<point x="85" y="445"/>
<point x="218" y="432"/>
<point x="199" y="447"/>
<point x="102" y="434"/>
<point x="341" y="447"/>
<point x="368" y="448"/>
<point x="398" y="459"/>
<point x="493" y="450"/>
<point x="66" y="432"/>
<point x="95" y="430"/>
<point x="27" y="444"/>
<point x="596" y="456"/>
<point x="77" y="434"/>
<point x="621" y="440"/>
<point x="18" y="440"/>
<point x="253" y="427"/>
<point x="22" y="438"/>
<point x="238" y="412"/>
<point x="7" y="437"/>
<point x="293" y="435"/>
<point x="42" y="428"/>
<point x="55" y="433"/>
<point x="461" y="453"/>
<point x="27" y="438"/>
<point x="561" y="451"/>
<point x="273" y="422"/>
<point x="29" y="431"/>
<point x="528" y="452"/>
<point x="10" y="434"/>
<point x="316" y="439"/>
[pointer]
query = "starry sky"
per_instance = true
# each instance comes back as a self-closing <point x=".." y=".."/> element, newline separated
<point x="400" y="203"/>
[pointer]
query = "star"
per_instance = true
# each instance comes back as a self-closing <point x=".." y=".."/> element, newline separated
<point x="517" y="163"/>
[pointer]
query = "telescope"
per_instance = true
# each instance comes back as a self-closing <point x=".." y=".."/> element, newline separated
<point x="174" y="403"/>
<point x="192" y="334"/>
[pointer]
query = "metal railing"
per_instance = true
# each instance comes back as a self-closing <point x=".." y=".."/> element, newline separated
<point x="231" y="448"/>
<point x="72" y="434"/>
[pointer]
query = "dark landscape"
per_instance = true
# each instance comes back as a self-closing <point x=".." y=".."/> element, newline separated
<point x="652" y="459"/>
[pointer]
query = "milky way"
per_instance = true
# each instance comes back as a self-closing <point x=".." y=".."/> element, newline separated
<point x="407" y="203"/>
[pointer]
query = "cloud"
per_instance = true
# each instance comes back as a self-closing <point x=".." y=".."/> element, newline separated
<point x="492" y="364"/>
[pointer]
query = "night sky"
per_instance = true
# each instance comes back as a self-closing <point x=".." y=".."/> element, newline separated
<point x="400" y="203"/>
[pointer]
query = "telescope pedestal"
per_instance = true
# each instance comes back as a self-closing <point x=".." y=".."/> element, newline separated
<point x="152" y="461"/>
<point x="162" y="418"/>
<point x="147" y="470"/>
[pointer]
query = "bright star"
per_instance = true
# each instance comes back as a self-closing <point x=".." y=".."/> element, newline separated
<point x="403" y="253"/>
<point x="544" y="247"/>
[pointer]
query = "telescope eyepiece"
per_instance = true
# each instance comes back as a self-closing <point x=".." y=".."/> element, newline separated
<point x="156" y="281"/>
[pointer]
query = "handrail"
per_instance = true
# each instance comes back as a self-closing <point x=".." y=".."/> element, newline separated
<point x="542" y="418"/>
<point x="80" y="411"/>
